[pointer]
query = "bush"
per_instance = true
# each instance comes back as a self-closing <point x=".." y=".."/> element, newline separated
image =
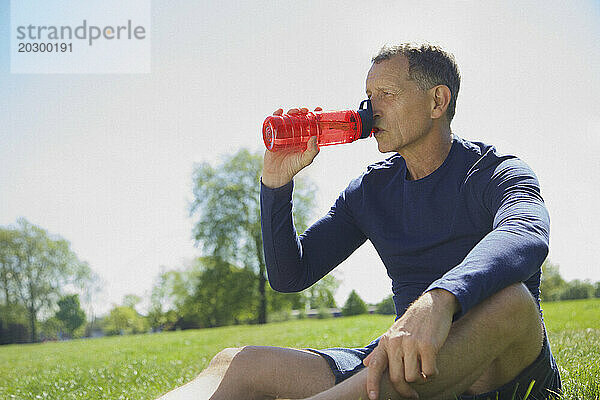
<point x="552" y="285"/>
<point x="14" y="327"/>
<point x="124" y="320"/>
<point x="578" y="290"/>
<point x="386" y="306"/>
<point x="323" y="313"/>
<point x="354" y="305"/>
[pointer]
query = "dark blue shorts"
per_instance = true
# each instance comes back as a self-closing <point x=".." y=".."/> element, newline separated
<point x="346" y="362"/>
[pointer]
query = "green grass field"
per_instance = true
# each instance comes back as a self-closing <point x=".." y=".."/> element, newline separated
<point x="145" y="366"/>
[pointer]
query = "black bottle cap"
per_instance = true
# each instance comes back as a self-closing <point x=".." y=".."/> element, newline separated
<point x="366" y="117"/>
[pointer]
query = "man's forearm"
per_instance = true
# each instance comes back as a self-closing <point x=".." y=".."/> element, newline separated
<point x="445" y="299"/>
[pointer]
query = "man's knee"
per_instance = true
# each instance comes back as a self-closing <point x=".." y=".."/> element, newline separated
<point x="516" y="310"/>
<point x="515" y="300"/>
<point x="223" y="358"/>
<point x="247" y="358"/>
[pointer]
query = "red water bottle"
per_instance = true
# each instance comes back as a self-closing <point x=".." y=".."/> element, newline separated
<point x="292" y="131"/>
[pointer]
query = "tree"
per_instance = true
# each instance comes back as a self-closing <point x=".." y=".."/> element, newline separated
<point x="13" y="324"/>
<point x="70" y="313"/>
<point x="131" y="300"/>
<point x="169" y="293"/>
<point x="8" y="265"/>
<point x="39" y="266"/>
<point x="386" y="306"/>
<point x="124" y="320"/>
<point x="354" y="305"/>
<point x="321" y="294"/>
<point x="226" y="209"/>
<point x="222" y="295"/>
<point x="552" y="284"/>
<point x="577" y="289"/>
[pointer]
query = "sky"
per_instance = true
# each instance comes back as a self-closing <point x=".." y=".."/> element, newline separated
<point x="105" y="160"/>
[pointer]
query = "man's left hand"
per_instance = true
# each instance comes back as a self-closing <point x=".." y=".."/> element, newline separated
<point x="409" y="348"/>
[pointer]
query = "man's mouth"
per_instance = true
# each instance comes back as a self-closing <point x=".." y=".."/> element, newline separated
<point x="376" y="130"/>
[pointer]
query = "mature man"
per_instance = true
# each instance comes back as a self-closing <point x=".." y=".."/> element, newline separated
<point x="462" y="231"/>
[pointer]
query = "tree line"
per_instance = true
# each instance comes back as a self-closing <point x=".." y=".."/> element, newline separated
<point x="554" y="288"/>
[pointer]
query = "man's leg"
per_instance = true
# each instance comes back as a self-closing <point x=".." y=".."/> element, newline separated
<point x="260" y="372"/>
<point x="485" y="349"/>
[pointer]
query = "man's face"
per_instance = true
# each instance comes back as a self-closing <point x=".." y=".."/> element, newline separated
<point x="401" y="111"/>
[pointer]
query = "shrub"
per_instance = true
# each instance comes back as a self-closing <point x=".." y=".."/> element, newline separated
<point x="386" y="306"/>
<point x="354" y="305"/>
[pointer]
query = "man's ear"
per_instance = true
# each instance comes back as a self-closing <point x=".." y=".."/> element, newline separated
<point x="440" y="100"/>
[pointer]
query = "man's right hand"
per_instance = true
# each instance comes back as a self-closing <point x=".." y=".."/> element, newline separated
<point x="281" y="166"/>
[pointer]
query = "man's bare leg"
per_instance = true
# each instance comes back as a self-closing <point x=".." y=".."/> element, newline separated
<point x="259" y="372"/>
<point x="485" y="349"/>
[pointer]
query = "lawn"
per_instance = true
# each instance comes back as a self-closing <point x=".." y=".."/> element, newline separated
<point x="145" y="366"/>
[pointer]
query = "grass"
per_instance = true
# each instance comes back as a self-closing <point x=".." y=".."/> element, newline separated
<point x="574" y="333"/>
<point x="145" y="366"/>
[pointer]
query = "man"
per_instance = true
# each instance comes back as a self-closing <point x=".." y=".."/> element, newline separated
<point x="462" y="231"/>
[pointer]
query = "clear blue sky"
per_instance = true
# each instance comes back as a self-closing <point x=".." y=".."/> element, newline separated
<point x="105" y="160"/>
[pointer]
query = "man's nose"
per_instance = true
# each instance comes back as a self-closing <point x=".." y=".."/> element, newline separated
<point x="376" y="111"/>
<point x="375" y="106"/>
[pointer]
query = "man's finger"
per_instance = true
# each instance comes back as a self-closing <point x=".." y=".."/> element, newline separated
<point x="428" y="364"/>
<point x="366" y="360"/>
<point x="396" y="372"/>
<point x="412" y="369"/>
<point x="377" y="366"/>
<point x="312" y="149"/>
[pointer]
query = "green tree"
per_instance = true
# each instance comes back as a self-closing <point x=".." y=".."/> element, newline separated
<point x="70" y="313"/>
<point x="40" y="266"/>
<point x="226" y="209"/>
<point x="552" y="284"/>
<point x="51" y="329"/>
<point x="131" y="300"/>
<point x="169" y="293"/>
<point x="222" y="295"/>
<point x="124" y="320"/>
<point x="14" y="324"/>
<point x="8" y="265"/>
<point x="577" y="289"/>
<point x="386" y="306"/>
<point x="354" y="305"/>
<point x="321" y="294"/>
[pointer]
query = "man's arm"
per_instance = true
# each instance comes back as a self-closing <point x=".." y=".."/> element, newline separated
<point x="517" y="245"/>
<point x="296" y="262"/>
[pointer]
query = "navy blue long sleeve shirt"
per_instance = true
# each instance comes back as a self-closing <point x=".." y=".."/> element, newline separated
<point x="472" y="227"/>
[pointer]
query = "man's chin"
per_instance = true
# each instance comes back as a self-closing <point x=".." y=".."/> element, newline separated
<point x="383" y="148"/>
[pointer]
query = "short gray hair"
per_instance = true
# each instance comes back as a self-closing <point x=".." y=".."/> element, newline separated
<point x="428" y="66"/>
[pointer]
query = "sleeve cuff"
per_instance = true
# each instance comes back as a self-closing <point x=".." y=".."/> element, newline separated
<point x="457" y="291"/>
<point x="284" y="191"/>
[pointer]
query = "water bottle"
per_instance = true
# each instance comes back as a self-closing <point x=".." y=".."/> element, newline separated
<point x="292" y="131"/>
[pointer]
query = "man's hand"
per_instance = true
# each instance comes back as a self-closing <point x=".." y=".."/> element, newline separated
<point x="281" y="166"/>
<point x="408" y="350"/>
